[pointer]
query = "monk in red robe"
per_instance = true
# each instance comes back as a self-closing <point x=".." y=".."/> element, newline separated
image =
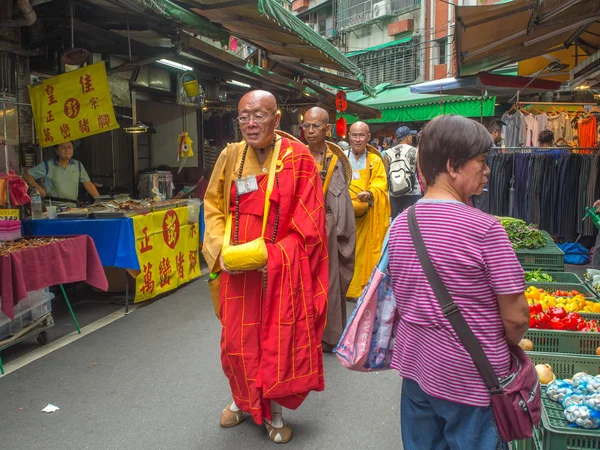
<point x="273" y="317"/>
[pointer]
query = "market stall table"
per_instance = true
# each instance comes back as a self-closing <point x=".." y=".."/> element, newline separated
<point x="55" y="262"/>
<point x="114" y="238"/>
<point x="161" y="246"/>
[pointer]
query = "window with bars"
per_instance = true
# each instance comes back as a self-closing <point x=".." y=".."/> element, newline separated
<point x="397" y="64"/>
<point x="439" y="54"/>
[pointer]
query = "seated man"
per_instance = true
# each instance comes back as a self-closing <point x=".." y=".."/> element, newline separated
<point x="62" y="175"/>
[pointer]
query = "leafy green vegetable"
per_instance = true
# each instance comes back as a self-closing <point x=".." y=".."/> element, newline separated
<point x="538" y="276"/>
<point x="522" y="235"/>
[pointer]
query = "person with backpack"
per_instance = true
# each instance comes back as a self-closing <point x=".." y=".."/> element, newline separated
<point x="404" y="188"/>
<point x="62" y="176"/>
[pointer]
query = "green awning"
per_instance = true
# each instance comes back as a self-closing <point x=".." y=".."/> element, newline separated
<point x="268" y="25"/>
<point x="185" y="18"/>
<point x="398" y="104"/>
<point x="379" y="47"/>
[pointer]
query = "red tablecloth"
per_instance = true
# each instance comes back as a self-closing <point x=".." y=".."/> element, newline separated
<point x="68" y="261"/>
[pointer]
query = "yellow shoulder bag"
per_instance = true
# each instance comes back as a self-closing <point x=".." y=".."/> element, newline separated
<point x="251" y="255"/>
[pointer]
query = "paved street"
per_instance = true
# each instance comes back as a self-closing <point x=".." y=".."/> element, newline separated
<point x="153" y="380"/>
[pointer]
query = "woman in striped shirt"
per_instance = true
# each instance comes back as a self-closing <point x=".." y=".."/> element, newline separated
<point x="445" y="404"/>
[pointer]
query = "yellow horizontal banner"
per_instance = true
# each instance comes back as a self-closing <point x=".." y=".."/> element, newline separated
<point x="73" y="105"/>
<point x="167" y="249"/>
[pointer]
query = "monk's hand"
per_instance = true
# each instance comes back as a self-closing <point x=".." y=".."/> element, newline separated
<point x="224" y="268"/>
<point x="364" y="196"/>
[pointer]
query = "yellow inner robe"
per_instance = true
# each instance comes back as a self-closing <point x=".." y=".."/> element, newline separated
<point x="372" y="227"/>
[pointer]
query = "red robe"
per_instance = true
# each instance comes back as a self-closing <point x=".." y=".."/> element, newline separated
<point x="271" y="344"/>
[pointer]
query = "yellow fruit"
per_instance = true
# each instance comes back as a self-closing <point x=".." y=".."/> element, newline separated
<point x="596" y="308"/>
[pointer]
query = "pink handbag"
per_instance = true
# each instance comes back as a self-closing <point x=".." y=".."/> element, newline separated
<point x="368" y="340"/>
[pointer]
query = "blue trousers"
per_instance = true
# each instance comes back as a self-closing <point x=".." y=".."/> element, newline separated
<point x="430" y="423"/>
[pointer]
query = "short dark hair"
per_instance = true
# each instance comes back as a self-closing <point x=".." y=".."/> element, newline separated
<point x="495" y="125"/>
<point x="389" y="141"/>
<point x="453" y="139"/>
<point x="546" y="137"/>
<point x="375" y="142"/>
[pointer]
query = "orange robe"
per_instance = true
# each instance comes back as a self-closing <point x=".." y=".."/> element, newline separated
<point x="271" y="341"/>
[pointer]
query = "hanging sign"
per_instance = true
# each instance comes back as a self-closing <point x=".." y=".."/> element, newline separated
<point x="73" y="105"/>
<point x="167" y="249"/>
<point x="9" y="214"/>
<point x="341" y="102"/>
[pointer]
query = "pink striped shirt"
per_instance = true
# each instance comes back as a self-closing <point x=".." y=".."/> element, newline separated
<point x="473" y="256"/>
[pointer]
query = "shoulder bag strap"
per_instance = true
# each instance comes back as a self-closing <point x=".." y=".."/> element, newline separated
<point x="451" y="310"/>
<point x="267" y="207"/>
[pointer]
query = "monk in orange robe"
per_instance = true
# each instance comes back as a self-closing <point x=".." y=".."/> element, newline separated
<point x="272" y="317"/>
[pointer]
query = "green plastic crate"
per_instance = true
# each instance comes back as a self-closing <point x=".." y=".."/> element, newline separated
<point x="549" y="258"/>
<point x="585" y="290"/>
<point x="555" y="433"/>
<point x="558" y="341"/>
<point x="565" y="365"/>
<point x="565" y="277"/>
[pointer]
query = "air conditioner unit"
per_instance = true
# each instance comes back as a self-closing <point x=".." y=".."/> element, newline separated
<point x="314" y="26"/>
<point x="381" y="9"/>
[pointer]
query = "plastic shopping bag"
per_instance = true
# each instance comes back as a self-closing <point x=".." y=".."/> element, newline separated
<point x="368" y="340"/>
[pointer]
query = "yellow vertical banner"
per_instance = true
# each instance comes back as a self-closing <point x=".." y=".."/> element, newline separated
<point x="167" y="249"/>
<point x="72" y="105"/>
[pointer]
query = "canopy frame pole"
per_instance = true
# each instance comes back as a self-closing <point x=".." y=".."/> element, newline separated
<point x="481" y="106"/>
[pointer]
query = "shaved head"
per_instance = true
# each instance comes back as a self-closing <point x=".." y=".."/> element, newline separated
<point x="317" y="113"/>
<point x="259" y="117"/>
<point x="316" y="127"/>
<point x="360" y="127"/>
<point x="265" y="98"/>
<point x="359" y="135"/>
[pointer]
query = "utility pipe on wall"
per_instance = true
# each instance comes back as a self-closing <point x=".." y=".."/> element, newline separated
<point x="28" y="19"/>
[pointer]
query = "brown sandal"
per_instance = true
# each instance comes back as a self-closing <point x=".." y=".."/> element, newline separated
<point x="281" y="435"/>
<point x="230" y="419"/>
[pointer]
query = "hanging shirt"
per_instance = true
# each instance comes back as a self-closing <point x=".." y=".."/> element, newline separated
<point x="587" y="132"/>
<point x="530" y="130"/>
<point x="515" y="129"/>
<point x="567" y="127"/>
<point x="554" y="125"/>
<point x="541" y="125"/>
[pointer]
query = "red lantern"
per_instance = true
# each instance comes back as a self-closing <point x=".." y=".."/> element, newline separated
<point x="340" y="101"/>
<point x="340" y="127"/>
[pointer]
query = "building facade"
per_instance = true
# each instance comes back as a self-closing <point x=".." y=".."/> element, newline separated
<point x="391" y="41"/>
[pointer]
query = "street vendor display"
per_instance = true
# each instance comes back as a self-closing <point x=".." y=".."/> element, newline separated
<point x="156" y="242"/>
<point x="29" y="266"/>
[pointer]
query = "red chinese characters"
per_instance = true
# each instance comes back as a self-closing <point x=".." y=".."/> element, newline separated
<point x="65" y="130"/>
<point x="148" y="286"/>
<point x="86" y="83"/>
<point x="47" y="136"/>
<point x="72" y="108"/>
<point x="94" y="103"/>
<point x="164" y="271"/>
<point x="145" y="247"/>
<point x="193" y="260"/>
<point x="103" y="120"/>
<point x="49" y="117"/>
<point x="179" y="261"/>
<point x="193" y="230"/>
<point x="50" y="93"/>
<point x="171" y="228"/>
<point x="84" y="126"/>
